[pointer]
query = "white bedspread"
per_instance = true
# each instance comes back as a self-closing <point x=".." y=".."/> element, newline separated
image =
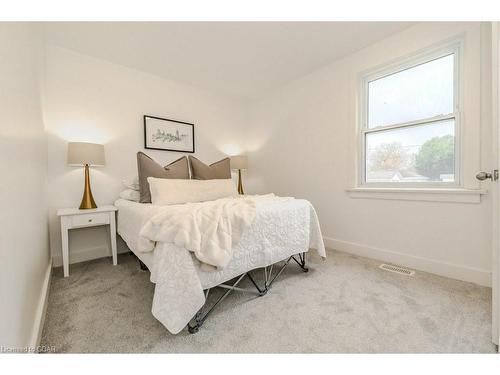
<point x="208" y="229"/>
<point x="280" y="229"/>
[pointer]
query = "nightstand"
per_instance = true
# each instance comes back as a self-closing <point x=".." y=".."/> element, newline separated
<point x="72" y="218"/>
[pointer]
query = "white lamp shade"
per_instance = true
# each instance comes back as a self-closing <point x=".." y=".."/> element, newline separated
<point x="239" y="162"/>
<point x="81" y="153"/>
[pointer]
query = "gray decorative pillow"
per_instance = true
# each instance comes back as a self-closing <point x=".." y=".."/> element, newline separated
<point x="147" y="167"/>
<point x="218" y="170"/>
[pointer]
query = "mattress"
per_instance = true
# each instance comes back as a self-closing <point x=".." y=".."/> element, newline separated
<point x="131" y="218"/>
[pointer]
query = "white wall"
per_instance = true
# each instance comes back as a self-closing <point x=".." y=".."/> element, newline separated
<point x="302" y="141"/>
<point x="87" y="99"/>
<point x="24" y="251"/>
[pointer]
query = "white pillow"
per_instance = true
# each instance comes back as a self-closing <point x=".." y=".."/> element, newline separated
<point x="131" y="182"/>
<point x="130" y="195"/>
<point x="173" y="191"/>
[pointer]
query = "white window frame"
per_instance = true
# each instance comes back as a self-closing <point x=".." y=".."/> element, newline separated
<point x="454" y="47"/>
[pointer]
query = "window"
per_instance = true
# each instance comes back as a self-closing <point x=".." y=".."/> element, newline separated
<point x="410" y="116"/>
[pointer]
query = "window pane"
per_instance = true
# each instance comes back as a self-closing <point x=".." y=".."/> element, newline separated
<point x="413" y="94"/>
<point x="423" y="153"/>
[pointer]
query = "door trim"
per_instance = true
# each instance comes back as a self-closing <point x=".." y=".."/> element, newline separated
<point x="495" y="76"/>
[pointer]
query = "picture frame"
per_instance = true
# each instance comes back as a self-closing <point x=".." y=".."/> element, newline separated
<point x="168" y="135"/>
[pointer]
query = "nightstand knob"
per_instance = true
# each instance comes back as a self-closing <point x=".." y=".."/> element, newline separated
<point x="90" y="220"/>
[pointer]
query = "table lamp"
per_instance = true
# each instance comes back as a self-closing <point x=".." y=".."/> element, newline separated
<point x="86" y="154"/>
<point x="239" y="162"/>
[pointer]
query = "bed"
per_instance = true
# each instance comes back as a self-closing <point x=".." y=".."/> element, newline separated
<point x="282" y="231"/>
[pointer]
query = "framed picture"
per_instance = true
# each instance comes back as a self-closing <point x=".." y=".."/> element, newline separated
<point x="169" y="135"/>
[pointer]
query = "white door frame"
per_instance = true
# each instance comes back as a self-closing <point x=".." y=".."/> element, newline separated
<point x="495" y="189"/>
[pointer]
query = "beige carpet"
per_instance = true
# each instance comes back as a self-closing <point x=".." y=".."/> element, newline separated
<point x="345" y="305"/>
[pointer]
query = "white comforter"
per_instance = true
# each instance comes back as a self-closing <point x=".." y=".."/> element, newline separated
<point x="208" y="229"/>
<point x="281" y="228"/>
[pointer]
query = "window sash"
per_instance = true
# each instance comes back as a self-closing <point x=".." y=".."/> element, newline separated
<point x="413" y="124"/>
<point x="454" y="48"/>
<point x="416" y="63"/>
<point x="428" y="120"/>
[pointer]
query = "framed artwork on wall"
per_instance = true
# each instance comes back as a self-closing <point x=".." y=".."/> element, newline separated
<point x="168" y="135"/>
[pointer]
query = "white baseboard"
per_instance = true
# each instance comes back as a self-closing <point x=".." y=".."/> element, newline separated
<point x="86" y="254"/>
<point x="451" y="270"/>
<point x="41" y="309"/>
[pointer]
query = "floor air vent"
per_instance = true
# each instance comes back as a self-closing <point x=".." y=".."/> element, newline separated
<point x="397" y="269"/>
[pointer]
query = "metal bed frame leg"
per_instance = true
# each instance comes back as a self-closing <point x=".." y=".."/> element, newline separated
<point x="199" y="318"/>
<point x="142" y="265"/>
<point x="301" y="262"/>
<point x="269" y="279"/>
<point x="261" y="291"/>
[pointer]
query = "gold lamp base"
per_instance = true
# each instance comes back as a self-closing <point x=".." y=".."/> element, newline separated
<point x="87" y="199"/>
<point x="240" y="185"/>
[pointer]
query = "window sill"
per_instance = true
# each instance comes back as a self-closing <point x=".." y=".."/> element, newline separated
<point x="419" y="194"/>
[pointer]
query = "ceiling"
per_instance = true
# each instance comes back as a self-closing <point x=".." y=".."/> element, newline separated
<point x="240" y="59"/>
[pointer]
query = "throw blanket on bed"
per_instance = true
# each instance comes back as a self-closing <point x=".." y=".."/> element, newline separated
<point x="208" y="229"/>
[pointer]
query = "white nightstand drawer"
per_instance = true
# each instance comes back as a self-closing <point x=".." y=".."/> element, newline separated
<point x="87" y="220"/>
